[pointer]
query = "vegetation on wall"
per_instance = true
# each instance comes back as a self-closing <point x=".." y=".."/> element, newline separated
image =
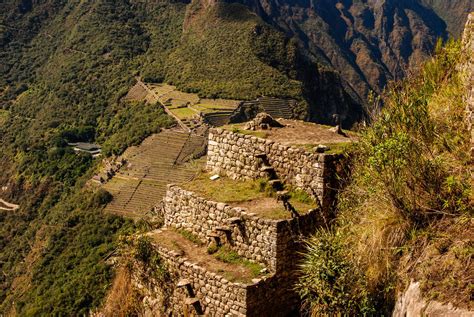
<point x="410" y="190"/>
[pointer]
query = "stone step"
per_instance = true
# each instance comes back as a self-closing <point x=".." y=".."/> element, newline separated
<point x="267" y="169"/>
<point x="283" y="194"/>
<point x="191" y="301"/>
<point x="234" y="220"/>
<point x="224" y="229"/>
<point x="276" y="183"/>
<point x="183" y="283"/>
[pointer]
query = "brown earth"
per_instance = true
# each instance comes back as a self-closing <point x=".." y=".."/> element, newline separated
<point x="270" y="208"/>
<point x="197" y="254"/>
<point x="304" y="133"/>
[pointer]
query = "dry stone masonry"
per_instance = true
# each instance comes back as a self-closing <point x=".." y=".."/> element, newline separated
<point x="197" y="291"/>
<point x="275" y="244"/>
<point x="237" y="156"/>
<point x="266" y="241"/>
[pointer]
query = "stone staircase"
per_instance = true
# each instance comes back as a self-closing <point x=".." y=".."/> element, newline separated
<point x="158" y="161"/>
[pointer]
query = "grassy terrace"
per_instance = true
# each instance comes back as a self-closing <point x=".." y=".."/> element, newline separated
<point x="176" y="99"/>
<point x="219" y="260"/>
<point x="306" y="135"/>
<point x="183" y="113"/>
<point x="257" y="196"/>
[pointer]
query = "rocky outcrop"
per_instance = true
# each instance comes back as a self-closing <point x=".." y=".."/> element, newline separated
<point x="454" y="13"/>
<point x="412" y="304"/>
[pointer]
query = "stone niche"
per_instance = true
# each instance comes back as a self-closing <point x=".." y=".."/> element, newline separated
<point x="236" y="156"/>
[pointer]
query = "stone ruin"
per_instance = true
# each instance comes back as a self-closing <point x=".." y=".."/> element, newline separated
<point x="275" y="244"/>
<point x="262" y="121"/>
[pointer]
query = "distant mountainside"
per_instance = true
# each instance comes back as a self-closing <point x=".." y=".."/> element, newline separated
<point x="453" y="12"/>
<point x="367" y="42"/>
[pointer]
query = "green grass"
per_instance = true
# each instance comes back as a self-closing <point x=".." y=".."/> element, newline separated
<point x="334" y="148"/>
<point x="209" y="108"/>
<point x="226" y="255"/>
<point x="238" y="128"/>
<point x="183" y="113"/>
<point x="225" y="189"/>
<point x="231" y="191"/>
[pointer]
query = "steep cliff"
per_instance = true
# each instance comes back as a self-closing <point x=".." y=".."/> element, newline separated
<point x="368" y="42"/>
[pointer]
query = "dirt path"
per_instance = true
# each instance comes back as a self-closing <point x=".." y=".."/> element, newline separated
<point x="151" y="92"/>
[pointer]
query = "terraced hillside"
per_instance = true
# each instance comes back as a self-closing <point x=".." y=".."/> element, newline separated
<point x="277" y="108"/>
<point x="188" y="107"/>
<point x="218" y="118"/>
<point x="160" y="160"/>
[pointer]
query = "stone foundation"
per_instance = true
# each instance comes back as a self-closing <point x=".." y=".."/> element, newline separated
<point x="270" y="296"/>
<point x="235" y="155"/>
<point x="273" y="243"/>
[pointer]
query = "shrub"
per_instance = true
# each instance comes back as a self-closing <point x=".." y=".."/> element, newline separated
<point x="143" y="250"/>
<point x="331" y="284"/>
<point x="101" y="197"/>
<point x="410" y="174"/>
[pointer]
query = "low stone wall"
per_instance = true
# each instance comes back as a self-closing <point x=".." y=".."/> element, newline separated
<point x="270" y="296"/>
<point x="217" y="296"/>
<point x="273" y="243"/>
<point x="234" y="154"/>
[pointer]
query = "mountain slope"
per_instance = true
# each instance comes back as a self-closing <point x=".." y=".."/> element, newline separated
<point x="64" y="67"/>
<point x="368" y="42"/>
<point x="453" y="12"/>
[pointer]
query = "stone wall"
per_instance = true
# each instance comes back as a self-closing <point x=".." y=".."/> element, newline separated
<point x="468" y="42"/>
<point x="234" y="154"/>
<point x="217" y="296"/>
<point x="270" y="296"/>
<point x="273" y="243"/>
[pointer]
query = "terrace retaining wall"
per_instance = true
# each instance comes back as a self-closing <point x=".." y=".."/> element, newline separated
<point x="273" y="243"/>
<point x="234" y="154"/>
<point x="268" y="296"/>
